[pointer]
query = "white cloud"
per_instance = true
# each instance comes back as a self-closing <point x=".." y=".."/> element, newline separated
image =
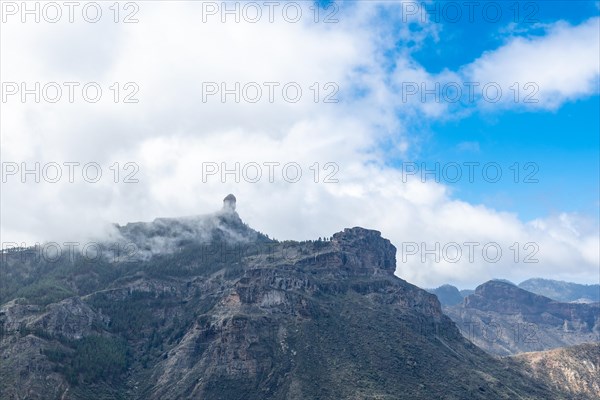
<point x="171" y="132"/>
<point x="563" y="65"/>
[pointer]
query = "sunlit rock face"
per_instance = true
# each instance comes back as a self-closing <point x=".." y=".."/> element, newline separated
<point x="574" y="369"/>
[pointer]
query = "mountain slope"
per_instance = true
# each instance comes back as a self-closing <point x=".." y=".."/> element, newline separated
<point x="574" y="369"/>
<point x="211" y="309"/>
<point x="504" y="319"/>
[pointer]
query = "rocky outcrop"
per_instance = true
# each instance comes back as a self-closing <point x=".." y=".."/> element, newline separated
<point x="26" y="372"/>
<point x="69" y="319"/>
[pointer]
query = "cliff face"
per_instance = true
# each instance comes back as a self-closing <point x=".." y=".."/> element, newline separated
<point x="222" y="312"/>
<point x="574" y="369"/>
<point x="505" y="319"/>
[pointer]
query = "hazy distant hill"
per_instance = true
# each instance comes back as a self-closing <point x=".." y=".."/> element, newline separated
<point x="211" y="309"/>
<point x="563" y="291"/>
<point x="448" y="295"/>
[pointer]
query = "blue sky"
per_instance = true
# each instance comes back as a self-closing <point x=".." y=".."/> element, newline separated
<point x="463" y="41"/>
<point x="563" y="143"/>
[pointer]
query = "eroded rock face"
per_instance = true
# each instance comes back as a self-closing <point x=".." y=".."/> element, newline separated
<point x="576" y="369"/>
<point x="505" y="319"/>
<point x="279" y="320"/>
<point x="366" y="251"/>
<point x="25" y="372"/>
<point x="70" y="318"/>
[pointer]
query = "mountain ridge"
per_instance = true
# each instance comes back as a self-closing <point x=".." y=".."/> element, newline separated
<point x="504" y="319"/>
<point x="562" y="291"/>
<point x="287" y="320"/>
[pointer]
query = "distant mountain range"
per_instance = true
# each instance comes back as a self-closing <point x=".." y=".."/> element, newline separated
<point x="566" y="292"/>
<point x="563" y="291"/>
<point x="504" y="319"/>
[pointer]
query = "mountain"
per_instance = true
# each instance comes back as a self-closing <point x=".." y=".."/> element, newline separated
<point x="504" y="319"/>
<point x="206" y="307"/>
<point x="448" y="295"/>
<point x="565" y="292"/>
<point x="574" y="368"/>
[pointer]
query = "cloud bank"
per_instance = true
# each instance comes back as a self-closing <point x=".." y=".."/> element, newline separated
<point x="176" y="134"/>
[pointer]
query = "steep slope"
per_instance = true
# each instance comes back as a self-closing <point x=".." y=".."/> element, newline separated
<point x="211" y="309"/>
<point x="504" y="319"/>
<point x="573" y="369"/>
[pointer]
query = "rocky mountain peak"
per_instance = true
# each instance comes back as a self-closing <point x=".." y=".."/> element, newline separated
<point x="168" y="235"/>
<point x="504" y="297"/>
<point x="365" y="247"/>
<point x="448" y="295"/>
<point x="219" y="311"/>
<point x="229" y="203"/>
